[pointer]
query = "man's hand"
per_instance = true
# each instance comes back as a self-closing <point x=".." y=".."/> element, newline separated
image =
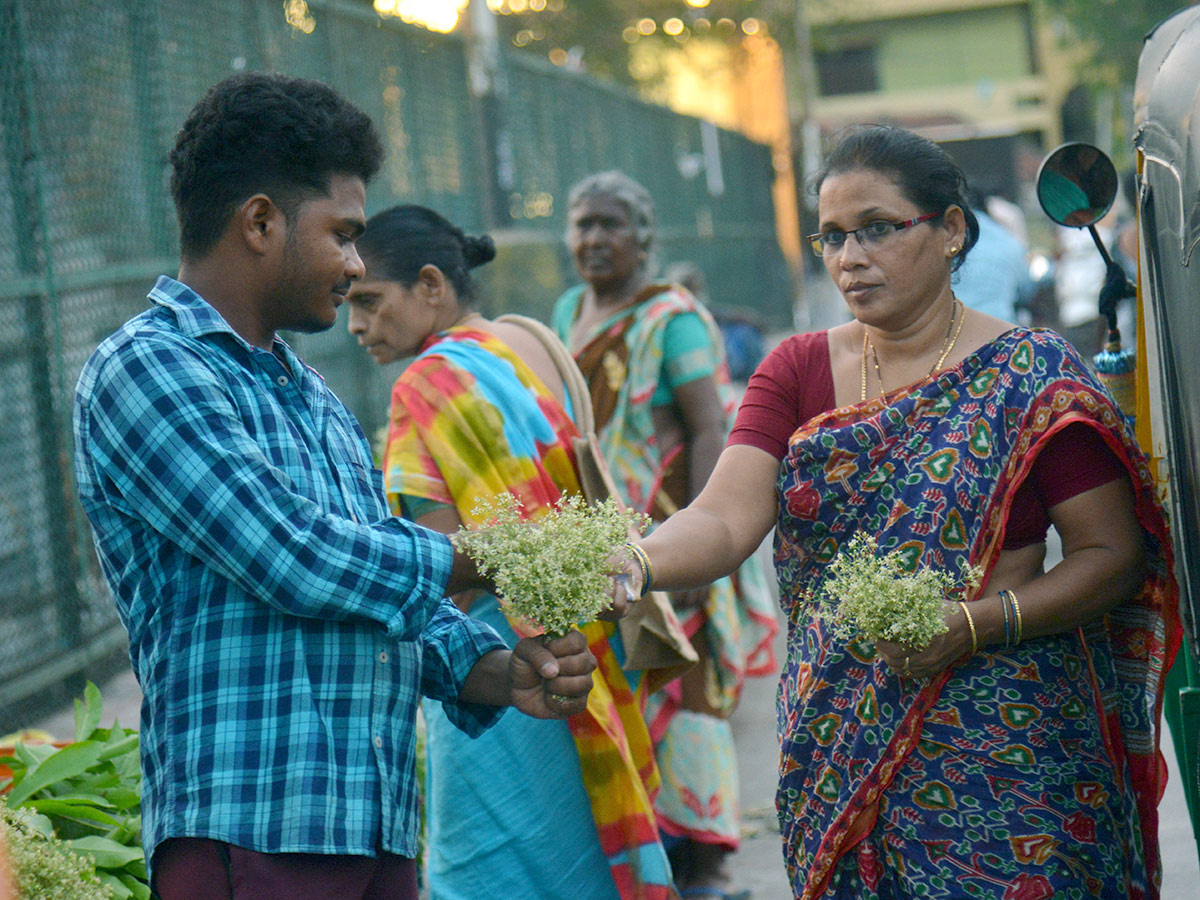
<point x="551" y="677"/>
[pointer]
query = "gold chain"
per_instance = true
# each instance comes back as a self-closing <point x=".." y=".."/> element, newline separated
<point x="948" y="343"/>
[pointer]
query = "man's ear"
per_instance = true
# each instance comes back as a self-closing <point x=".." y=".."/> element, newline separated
<point x="260" y="223"/>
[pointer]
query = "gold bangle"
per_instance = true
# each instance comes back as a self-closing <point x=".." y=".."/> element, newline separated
<point x="1017" y="610"/>
<point x="643" y="561"/>
<point x="971" y="625"/>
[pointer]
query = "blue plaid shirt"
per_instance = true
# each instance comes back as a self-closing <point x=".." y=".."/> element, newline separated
<point x="281" y="623"/>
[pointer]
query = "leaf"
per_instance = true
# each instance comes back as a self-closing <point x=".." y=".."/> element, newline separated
<point x="125" y="745"/>
<point x="120" y="890"/>
<point x="41" y="825"/>
<point x="31" y="755"/>
<point x="72" y="760"/>
<point x="108" y="854"/>
<point x="139" y="888"/>
<point x="88" y="712"/>
<point x="56" y="807"/>
<point x="137" y="869"/>
<point x="123" y="797"/>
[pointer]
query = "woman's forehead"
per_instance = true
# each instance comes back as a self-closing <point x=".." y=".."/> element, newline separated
<point x="860" y="190"/>
<point x="608" y="205"/>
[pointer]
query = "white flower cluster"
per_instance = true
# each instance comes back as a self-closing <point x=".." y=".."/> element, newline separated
<point x="555" y="573"/>
<point x="871" y="596"/>
<point x="43" y="866"/>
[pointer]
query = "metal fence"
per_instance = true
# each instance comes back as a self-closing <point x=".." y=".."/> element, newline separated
<point x="91" y="93"/>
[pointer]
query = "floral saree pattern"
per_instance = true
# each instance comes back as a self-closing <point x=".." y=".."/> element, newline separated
<point x="469" y="420"/>
<point x="1020" y="774"/>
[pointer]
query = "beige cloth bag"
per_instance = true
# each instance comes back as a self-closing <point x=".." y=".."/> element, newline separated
<point x="654" y="639"/>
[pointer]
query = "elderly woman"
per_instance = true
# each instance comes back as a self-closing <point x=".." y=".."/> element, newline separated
<point x="531" y="808"/>
<point x="656" y="372"/>
<point x="1016" y="756"/>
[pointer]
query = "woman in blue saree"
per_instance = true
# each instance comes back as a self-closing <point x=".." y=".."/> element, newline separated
<point x="1016" y="756"/>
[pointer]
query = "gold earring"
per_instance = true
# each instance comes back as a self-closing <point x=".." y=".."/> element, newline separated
<point x="953" y="251"/>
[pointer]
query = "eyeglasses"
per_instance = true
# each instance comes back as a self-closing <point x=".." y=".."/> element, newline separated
<point x="826" y="243"/>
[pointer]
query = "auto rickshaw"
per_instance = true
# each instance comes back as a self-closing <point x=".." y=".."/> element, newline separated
<point x="1076" y="187"/>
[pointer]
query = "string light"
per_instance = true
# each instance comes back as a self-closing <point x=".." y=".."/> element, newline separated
<point x="297" y="15"/>
<point x="436" y="15"/>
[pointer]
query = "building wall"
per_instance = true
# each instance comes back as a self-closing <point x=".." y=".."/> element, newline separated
<point x="955" y="70"/>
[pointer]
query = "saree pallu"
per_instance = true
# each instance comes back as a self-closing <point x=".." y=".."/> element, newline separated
<point x="471" y="420"/>
<point x="623" y="361"/>
<point x="1021" y="774"/>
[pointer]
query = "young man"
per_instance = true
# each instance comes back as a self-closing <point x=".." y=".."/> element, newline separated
<point x="282" y="625"/>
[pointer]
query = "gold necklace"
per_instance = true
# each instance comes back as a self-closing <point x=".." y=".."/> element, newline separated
<point x="948" y="343"/>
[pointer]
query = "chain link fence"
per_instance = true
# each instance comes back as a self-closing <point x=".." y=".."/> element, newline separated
<point x="91" y="93"/>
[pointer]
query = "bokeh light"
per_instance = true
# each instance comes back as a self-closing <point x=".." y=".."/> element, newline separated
<point x="673" y="26"/>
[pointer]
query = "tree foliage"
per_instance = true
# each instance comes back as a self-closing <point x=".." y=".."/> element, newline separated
<point x="1115" y="29"/>
<point x="595" y="35"/>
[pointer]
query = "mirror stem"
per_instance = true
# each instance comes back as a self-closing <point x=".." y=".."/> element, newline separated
<point x="1100" y="246"/>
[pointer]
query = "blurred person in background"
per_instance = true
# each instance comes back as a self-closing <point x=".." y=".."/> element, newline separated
<point x="994" y="279"/>
<point x="530" y="808"/>
<point x="741" y="328"/>
<point x="653" y="359"/>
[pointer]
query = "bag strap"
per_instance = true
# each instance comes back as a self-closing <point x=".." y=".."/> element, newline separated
<point x="574" y="384"/>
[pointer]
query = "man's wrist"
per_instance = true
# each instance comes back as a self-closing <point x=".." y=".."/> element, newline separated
<point x="489" y="682"/>
<point x="464" y="575"/>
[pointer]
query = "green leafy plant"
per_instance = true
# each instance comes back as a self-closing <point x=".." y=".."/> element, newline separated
<point x="88" y="795"/>
<point x="871" y="595"/>
<point x="555" y="573"/>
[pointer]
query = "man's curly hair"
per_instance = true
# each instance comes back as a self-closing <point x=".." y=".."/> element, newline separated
<point x="264" y="133"/>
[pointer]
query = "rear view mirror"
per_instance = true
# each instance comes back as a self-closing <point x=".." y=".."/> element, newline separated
<point x="1077" y="185"/>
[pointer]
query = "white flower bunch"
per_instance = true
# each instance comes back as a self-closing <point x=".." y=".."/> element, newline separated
<point x="555" y="573"/>
<point x="871" y="596"/>
<point x="43" y="865"/>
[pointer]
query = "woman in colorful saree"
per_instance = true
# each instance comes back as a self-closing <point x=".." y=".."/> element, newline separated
<point x="1016" y="756"/>
<point x="655" y="366"/>
<point x="524" y="810"/>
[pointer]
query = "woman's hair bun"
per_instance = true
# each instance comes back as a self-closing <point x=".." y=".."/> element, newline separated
<point x="478" y="250"/>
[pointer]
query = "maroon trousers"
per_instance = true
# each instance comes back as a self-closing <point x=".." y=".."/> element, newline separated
<point x="203" y="869"/>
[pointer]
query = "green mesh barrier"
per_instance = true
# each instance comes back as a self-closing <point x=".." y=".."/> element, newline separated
<point x="91" y="94"/>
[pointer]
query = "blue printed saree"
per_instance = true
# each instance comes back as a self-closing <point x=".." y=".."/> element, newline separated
<point x="1020" y="774"/>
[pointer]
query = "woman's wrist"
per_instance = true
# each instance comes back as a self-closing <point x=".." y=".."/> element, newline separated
<point x="996" y="621"/>
<point x="642" y="560"/>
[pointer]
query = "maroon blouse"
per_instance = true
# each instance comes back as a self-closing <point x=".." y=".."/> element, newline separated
<point x="795" y="383"/>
